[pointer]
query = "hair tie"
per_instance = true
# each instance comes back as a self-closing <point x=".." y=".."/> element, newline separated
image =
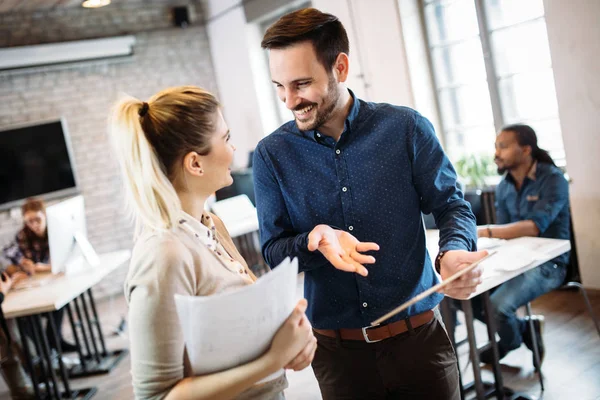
<point x="143" y="109"/>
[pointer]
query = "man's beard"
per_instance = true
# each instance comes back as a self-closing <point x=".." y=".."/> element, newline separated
<point x="506" y="167"/>
<point x="329" y="103"/>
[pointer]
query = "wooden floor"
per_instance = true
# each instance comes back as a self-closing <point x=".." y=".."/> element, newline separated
<point x="571" y="367"/>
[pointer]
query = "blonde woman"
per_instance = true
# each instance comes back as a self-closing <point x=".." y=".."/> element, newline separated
<point x="175" y="151"/>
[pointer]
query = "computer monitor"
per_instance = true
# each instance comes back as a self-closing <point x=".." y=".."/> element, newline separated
<point x="70" y="251"/>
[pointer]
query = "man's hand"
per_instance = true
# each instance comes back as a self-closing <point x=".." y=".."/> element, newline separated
<point x="341" y="249"/>
<point x="455" y="260"/>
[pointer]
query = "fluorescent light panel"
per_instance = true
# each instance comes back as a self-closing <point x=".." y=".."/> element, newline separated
<point x="64" y="52"/>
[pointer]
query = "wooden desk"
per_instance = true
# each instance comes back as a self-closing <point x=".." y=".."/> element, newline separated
<point x="548" y="249"/>
<point x="28" y="306"/>
<point x="58" y="291"/>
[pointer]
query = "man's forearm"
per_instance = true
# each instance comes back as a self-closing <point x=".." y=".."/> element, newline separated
<point x="277" y="250"/>
<point x="510" y="231"/>
<point x="457" y="227"/>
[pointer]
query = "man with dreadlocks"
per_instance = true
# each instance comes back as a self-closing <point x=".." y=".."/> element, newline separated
<point x="531" y="200"/>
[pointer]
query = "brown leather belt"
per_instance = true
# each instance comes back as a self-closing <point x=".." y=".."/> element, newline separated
<point x="371" y="334"/>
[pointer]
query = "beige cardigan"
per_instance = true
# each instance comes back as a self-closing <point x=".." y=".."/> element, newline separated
<point x="162" y="265"/>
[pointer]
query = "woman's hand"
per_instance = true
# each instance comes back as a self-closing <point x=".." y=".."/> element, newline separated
<point x="18" y="277"/>
<point x="305" y="357"/>
<point x="5" y="283"/>
<point x="28" y="266"/>
<point x="41" y="267"/>
<point x="293" y="342"/>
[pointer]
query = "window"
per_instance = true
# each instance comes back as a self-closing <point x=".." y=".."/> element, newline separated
<point x="491" y="67"/>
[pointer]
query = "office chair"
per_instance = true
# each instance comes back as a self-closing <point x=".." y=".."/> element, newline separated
<point x="243" y="183"/>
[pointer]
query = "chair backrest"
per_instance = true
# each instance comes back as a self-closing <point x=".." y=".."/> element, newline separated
<point x="243" y="183"/>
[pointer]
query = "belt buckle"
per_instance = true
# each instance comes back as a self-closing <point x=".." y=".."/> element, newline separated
<point x="366" y="336"/>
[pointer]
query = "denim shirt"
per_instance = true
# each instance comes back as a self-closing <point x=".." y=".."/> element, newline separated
<point x="543" y="199"/>
<point x="386" y="168"/>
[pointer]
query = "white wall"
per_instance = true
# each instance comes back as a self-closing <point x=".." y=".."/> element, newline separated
<point x="573" y="33"/>
<point x="226" y="29"/>
<point x="378" y="65"/>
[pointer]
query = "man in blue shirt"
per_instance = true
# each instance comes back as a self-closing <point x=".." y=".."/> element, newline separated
<point x="531" y="200"/>
<point x="346" y="182"/>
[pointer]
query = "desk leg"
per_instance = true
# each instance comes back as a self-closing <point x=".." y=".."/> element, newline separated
<point x="39" y="333"/>
<point x="82" y="359"/>
<point x="44" y="367"/>
<point x="468" y="310"/>
<point x="21" y="324"/>
<point x="96" y="322"/>
<point x="492" y="329"/>
<point x="95" y="362"/>
<point x="88" y="321"/>
<point x="63" y="371"/>
<point x="83" y="330"/>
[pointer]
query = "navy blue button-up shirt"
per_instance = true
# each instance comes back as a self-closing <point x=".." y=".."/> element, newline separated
<point x="543" y="199"/>
<point x="386" y="168"/>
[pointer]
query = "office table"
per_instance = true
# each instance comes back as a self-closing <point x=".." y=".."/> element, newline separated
<point x="55" y="292"/>
<point x="547" y="249"/>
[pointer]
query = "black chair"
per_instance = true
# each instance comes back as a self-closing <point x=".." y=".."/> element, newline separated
<point x="243" y="183"/>
<point x="482" y="205"/>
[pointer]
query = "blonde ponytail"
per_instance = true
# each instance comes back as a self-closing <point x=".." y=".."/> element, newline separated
<point x="150" y="139"/>
<point x="150" y="195"/>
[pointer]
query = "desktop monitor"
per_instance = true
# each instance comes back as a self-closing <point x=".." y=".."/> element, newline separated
<point x="70" y="251"/>
<point x="36" y="161"/>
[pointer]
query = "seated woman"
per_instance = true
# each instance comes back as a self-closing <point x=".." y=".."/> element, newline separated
<point x="29" y="254"/>
<point x="175" y="151"/>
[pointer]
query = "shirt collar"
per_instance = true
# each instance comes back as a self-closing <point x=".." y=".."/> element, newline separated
<point x="530" y="175"/>
<point x="352" y="115"/>
<point x="204" y="230"/>
<point x="532" y="171"/>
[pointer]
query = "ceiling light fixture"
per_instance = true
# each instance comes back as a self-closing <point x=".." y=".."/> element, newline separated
<point x="95" y="3"/>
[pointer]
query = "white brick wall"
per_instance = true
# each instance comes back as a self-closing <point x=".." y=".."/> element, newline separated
<point x="83" y="94"/>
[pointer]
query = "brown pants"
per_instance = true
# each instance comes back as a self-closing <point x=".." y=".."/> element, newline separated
<point x="418" y="364"/>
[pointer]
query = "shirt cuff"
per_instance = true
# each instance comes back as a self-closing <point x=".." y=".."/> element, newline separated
<point x="455" y="245"/>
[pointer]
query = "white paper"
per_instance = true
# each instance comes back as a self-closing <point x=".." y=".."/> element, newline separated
<point x="233" y="328"/>
<point x="510" y="258"/>
<point x="484" y="243"/>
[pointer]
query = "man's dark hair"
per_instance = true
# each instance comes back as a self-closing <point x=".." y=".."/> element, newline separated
<point x="324" y="31"/>
<point x="526" y="137"/>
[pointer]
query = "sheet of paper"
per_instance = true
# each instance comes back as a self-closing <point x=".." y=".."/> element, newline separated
<point x="484" y="243"/>
<point x="233" y="328"/>
<point x="510" y="258"/>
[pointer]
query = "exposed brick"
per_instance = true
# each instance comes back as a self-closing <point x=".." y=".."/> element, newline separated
<point x="83" y="93"/>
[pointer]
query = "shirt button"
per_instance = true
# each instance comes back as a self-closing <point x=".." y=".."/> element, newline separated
<point x="365" y="305"/>
<point x="344" y="189"/>
<point x="318" y="135"/>
<point x="337" y="151"/>
<point x="350" y="228"/>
